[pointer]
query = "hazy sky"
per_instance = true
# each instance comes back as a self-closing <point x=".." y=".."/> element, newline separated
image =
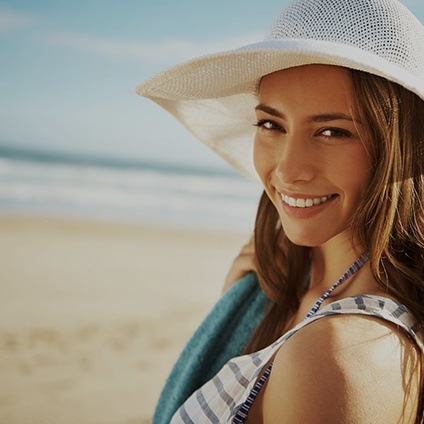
<point x="69" y="69"/>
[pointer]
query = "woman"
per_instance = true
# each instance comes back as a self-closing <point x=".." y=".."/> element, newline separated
<point x="338" y="93"/>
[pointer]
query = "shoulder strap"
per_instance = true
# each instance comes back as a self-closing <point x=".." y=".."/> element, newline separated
<point x="380" y="307"/>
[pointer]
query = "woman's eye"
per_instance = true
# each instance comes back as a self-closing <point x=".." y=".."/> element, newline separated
<point x="334" y="132"/>
<point x="268" y="125"/>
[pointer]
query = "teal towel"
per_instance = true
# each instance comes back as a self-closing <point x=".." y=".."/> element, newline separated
<point x="222" y="335"/>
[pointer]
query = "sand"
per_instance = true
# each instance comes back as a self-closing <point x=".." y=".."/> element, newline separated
<point x="93" y="314"/>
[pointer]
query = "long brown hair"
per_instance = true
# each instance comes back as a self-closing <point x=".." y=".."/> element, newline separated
<point x="389" y="223"/>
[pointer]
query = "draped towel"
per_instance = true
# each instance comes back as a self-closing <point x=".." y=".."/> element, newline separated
<point x="221" y="336"/>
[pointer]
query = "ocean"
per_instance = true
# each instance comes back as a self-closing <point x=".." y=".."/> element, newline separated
<point x="147" y="193"/>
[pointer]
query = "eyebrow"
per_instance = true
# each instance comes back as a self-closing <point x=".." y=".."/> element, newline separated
<point x="324" y="117"/>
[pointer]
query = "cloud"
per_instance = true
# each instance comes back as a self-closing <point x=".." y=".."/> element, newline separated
<point x="13" y="21"/>
<point x="167" y="50"/>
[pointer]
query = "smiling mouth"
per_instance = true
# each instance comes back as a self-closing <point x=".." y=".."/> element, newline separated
<point x="305" y="203"/>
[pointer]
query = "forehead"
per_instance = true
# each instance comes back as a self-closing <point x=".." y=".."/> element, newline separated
<point x="316" y="86"/>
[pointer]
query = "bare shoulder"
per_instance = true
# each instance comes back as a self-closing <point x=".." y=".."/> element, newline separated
<point x="344" y="369"/>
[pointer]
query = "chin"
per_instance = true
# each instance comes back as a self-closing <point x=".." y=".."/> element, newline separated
<point x="337" y="237"/>
<point x="308" y="239"/>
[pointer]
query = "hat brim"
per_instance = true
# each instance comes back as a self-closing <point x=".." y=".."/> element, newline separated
<point x="214" y="96"/>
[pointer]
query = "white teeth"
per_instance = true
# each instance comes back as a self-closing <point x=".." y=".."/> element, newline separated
<point x="304" y="203"/>
<point x="300" y="203"/>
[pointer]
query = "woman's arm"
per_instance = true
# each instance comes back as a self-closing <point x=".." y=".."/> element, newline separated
<point x="344" y="369"/>
<point x="242" y="264"/>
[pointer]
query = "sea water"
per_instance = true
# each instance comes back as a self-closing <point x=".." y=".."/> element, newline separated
<point x="148" y="193"/>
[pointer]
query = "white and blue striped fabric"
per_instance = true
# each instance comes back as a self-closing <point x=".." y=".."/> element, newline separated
<point x="219" y="400"/>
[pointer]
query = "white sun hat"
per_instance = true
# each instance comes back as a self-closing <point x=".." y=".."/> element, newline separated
<point x="214" y="96"/>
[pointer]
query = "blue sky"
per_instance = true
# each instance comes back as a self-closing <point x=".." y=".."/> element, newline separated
<point x="69" y="70"/>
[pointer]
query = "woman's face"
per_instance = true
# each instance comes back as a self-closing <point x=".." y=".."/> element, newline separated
<point x="308" y="153"/>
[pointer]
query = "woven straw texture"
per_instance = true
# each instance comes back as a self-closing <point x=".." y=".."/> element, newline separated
<point x="214" y="96"/>
<point x="373" y="26"/>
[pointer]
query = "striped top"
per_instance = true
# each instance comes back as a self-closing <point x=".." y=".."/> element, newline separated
<point x="219" y="400"/>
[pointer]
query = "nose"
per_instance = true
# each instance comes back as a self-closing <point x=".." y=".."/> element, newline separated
<point x="296" y="160"/>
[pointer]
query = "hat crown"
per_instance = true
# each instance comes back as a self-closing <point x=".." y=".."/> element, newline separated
<point x="385" y="28"/>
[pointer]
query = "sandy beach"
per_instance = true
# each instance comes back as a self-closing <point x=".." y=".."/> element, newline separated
<point x="93" y="314"/>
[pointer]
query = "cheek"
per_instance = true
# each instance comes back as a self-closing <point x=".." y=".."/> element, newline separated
<point x="356" y="172"/>
<point x="264" y="162"/>
<point x="262" y="159"/>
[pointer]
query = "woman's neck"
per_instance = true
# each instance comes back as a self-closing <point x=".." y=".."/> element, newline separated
<point x="331" y="260"/>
